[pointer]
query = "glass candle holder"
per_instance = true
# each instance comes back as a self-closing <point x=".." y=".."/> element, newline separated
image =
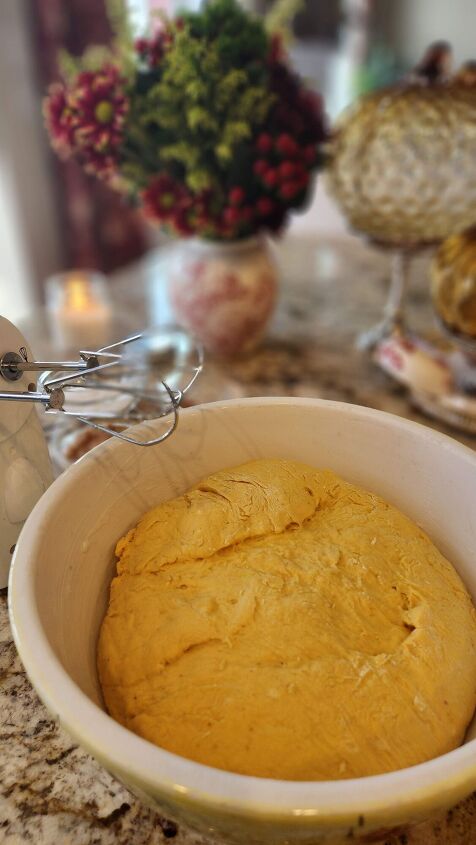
<point x="79" y="310"/>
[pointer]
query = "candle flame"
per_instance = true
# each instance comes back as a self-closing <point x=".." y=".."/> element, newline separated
<point x="78" y="294"/>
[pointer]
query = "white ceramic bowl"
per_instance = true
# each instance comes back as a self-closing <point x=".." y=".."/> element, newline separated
<point x="64" y="563"/>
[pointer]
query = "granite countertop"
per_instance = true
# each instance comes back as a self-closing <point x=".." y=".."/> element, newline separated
<point x="51" y="792"/>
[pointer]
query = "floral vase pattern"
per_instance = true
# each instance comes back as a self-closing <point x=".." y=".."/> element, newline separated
<point x="224" y="293"/>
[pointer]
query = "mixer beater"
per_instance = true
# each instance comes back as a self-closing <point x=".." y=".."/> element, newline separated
<point x="93" y="373"/>
<point x="112" y="389"/>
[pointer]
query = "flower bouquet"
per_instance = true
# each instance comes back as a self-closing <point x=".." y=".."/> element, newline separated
<point x="203" y="124"/>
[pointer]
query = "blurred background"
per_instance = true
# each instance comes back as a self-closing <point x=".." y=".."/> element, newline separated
<point x="53" y="216"/>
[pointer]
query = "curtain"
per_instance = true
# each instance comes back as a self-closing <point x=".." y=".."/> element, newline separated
<point x="99" y="231"/>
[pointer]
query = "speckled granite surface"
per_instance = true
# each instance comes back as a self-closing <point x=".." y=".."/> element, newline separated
<point x="51" y="792"/>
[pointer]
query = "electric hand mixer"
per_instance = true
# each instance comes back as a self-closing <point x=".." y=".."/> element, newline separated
<point x="123" y="380"/>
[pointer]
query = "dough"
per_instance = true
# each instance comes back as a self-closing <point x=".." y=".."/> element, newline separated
<point x="278" y="621"/>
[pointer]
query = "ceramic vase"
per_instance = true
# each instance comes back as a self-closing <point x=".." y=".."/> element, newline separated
<point x="224" y="293"/>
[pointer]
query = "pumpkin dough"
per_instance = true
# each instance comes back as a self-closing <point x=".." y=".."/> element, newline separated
<point x="278" y="621"/>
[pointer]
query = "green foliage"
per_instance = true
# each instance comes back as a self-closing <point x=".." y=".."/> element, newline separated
<point x="238" y="38"/>
<point x="93" y="59"/>
<point x="68" y="65"/>
<point x="120" y="23"/>
<point x="280" y="17"/>
<point x="123" y="37"/>
<point x="203" y="111"/>
<point x="120" y="52"/>
<point x="209" y="97"/>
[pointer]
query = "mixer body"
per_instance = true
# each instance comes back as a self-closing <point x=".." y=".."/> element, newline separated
<point x="25" y="466"/>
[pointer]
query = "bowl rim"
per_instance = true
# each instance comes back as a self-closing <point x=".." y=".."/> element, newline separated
<point x="414" y="789"/>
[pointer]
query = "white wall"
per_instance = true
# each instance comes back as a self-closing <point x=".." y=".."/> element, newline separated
<point x="16" y="294"/>
<point x="322" y="218"/>
<point x="418" y="22"/>
<point x="30" y="246"/>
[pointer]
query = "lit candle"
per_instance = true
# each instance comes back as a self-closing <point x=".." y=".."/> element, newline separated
<point x="79" y="310"/>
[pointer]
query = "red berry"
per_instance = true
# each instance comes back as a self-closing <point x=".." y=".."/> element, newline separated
<point x="286" y="146"/>
<point x="265" y="206"/>
<point x="260" y="166"/>
<point x="264" y="143"/>
<point x="289" y="190"/>
<point x="141" y="45"/>
<point x="276" y="51"/>
<point x="303" y="179"/>
<point x="182" y="224"/>
<point x="288" y="169"/>
<point x="310" y="154"/>
<point x="236" y="196"/>
<point x="231" y="216"/>
<point x="301" y="174"/>
<point x="270" y="178"/>
<point x="311" y="101"/>
<point x="246" y="214"/>
<point x="223" y="228"/>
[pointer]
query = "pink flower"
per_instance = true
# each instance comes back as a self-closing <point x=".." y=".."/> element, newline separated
<point x="151" y="50"/>
<point x="276" y="52"/>
<point x="165" y="199"/>
<point x="99" y="108"/>
<point x="87" y="118"/>
<point x="59" y="119"/>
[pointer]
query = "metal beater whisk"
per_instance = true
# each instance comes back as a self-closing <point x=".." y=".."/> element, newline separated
<point x="125" y="380"/>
